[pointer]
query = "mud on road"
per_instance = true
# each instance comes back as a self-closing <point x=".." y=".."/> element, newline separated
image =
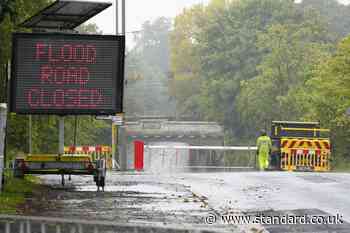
<point x="128" y="198"/>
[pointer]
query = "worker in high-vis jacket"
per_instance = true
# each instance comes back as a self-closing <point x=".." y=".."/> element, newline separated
<point x="264" y="146"/>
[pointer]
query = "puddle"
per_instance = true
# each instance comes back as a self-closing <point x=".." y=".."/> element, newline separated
<point x="317" y="179"/>
<point x="174" y="206"/>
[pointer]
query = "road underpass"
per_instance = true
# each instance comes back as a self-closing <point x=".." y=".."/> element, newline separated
<point x="154" y="131"/>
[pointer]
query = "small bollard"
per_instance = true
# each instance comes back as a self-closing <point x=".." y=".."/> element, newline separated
<point x="58" y="228"/>
<point x="138" y="155"/>
<point x="43" y="228"/>
<point x="8" y="227"/>
<point x="29" y="228"/>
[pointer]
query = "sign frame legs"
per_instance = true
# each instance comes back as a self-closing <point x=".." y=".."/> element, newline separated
<point x="61" y="135"/>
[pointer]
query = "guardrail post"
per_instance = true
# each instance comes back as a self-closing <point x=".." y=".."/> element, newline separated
<point x="72" y="229"/>
<point x="21" y="227"/>
<point x="43" y="228"/>
<point x="29" y="228"/>
<point x="8" y="227"/>
<point x="80" y="228"/>
<point x="58" y="228"/>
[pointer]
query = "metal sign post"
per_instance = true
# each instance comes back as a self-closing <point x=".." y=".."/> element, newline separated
<point x="115" y="122"/>
<point x="123" y="17"/>
<point x="114" y="141"/>
<point x="61" y="135"/>
<point x="122" y="156"/>
<point x="3" y="116"/>
<point x="30" y="127"/>
<point x="113" y="146"/>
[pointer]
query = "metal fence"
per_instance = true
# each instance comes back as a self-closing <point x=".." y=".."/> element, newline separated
<point x="23" y="224"/>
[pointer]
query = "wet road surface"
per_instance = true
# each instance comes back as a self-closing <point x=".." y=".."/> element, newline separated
<point x="278" y="194"/>
<point x="187" y="199"/>
<point x="251" y="191"/>
<point x="132" y="198"/>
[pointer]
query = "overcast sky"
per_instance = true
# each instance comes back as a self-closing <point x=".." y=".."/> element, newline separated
<point x="138" y="11"/>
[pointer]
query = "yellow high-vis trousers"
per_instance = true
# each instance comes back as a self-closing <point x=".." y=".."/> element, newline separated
<point x="263" y="160"/>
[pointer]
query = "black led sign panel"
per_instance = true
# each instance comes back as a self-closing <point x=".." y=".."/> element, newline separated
<point x="67" y="74"/>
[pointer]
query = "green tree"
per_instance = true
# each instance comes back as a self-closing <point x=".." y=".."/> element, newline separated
<point x="244" y="63"/>
<point x="293" y="51"/>
<point x="328" y="98"/>
<point x="90" y="28"/>
<point x="7" y="7"/>
<point x="223" y="40"/>
<point x="12" y="13"/>
<point x="335" y="13"/>
<point x="147" y="70"/>
<point x="185" y="63"/>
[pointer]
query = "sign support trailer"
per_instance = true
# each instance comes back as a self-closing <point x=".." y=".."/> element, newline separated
<point x="56" y="71"/>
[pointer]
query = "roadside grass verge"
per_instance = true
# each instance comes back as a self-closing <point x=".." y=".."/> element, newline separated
<point x="15" y="191"/>
<point x="342" y="168"/>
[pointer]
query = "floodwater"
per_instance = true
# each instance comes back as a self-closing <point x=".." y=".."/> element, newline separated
<point x="163" y="161"/>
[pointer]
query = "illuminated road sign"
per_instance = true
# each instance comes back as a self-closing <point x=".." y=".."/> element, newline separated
<point x="67" y="74"/>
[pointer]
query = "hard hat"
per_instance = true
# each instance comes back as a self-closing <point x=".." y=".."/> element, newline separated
<point x="263" y="132"/>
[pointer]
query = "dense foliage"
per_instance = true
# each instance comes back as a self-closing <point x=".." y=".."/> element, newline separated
<point x="245" y="63"/>
<point x="147" y="71"/>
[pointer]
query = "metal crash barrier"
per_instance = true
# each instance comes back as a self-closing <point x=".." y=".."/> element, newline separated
<point x="307" y="155"/>
<point x="22" y="224"/>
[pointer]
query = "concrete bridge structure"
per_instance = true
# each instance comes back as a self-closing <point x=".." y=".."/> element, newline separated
<point x="164" y="131"/>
